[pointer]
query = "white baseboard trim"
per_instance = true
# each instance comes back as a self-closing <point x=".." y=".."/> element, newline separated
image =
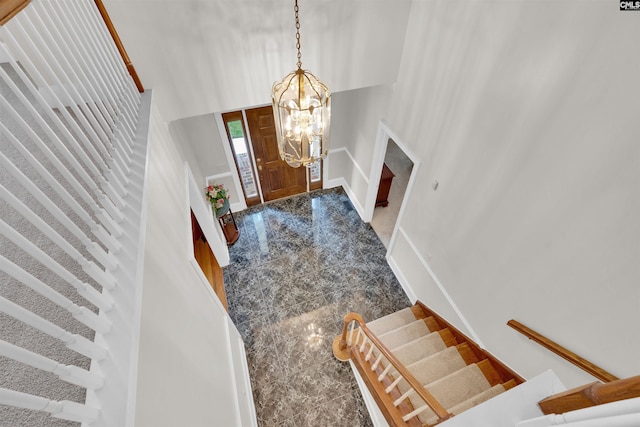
<point x="411" y="293"/>
<point x="406" y="287"/>
<point x="341" y="182"/>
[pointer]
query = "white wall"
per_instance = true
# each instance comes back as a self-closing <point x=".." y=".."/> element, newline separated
<point x="185" y="371"/>
<point x="526" y="114"/>
<point x="200" y="142"/>
<point x="354" y="119"/>
<point x="202" y="57"/>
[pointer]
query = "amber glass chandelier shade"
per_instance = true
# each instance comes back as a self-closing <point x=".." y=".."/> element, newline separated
<point x="302" y="110"/>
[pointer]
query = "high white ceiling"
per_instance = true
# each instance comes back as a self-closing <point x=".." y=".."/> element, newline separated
<point x="205" y="56"/>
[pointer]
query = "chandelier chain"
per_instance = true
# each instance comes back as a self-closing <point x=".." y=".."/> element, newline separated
<point x="298" y="36"/>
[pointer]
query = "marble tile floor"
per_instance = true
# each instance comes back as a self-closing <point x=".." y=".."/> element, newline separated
<point x="299" y="266"/>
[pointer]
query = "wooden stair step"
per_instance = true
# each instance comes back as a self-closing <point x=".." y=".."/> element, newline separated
<point x="489" y="372"/>
<point x="467" y="353"/>
<point x="392" y="321"/>
<point x="510" y="384"/>
<point x="418" y="312"/>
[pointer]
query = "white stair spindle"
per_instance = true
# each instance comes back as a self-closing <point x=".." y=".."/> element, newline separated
<point x="99" y="275"/>
<point x="81" y="314"/>
<point x="63" y="409"/>
<point x="69" y="373"/>
<point x="81" y="153"/>
<point x="70" y="64"/>
<point x="393" y="384"/>
<point x="71" y="38"/>
<point x="377" y="362"/>
<point x="84" y="39"/>
<point x="385" y="372"/>
<point x="414" y="413"/>
<point x="103" y="46"/>
<point x="364" y="343"/>
<point x="37" y="45"/>
<point x="369" y="353"/>
<point x="63" y="193"/>
<point x="84" y="289"/>
<point x="64" y="75"/>
<point x="350" y="334"/>
<point x="73" y="341"/>
<point x="115" y="60"/>
<point x="103" y="257"/>
<point x="403" y="397"/>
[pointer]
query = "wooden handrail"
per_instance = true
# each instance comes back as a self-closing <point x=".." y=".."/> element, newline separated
<point x="10" y="8"/>
<point x="427" y="397"/>
<point x="119" y="45"/>
<point x="563" y="352"/>
<point x="592" y="394"/>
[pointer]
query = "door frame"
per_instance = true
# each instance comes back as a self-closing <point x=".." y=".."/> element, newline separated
<point x="231" y="162"/>
<point x="241" y="204"/>
<point x="380" y="148"/>
<point x="254" y="169"/>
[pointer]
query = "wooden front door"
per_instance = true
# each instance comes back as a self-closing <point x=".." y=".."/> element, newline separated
<point x="277" y="179"/>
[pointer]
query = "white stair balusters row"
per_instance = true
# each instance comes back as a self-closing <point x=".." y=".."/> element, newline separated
<point x="71" y="143"/>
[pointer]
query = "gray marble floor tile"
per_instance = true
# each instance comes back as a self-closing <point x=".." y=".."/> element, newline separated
<point x="299" y="266"/>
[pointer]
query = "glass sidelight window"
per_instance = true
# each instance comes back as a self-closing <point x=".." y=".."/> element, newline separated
<point x="314" y="172"/>
<point x="242" y="155"/>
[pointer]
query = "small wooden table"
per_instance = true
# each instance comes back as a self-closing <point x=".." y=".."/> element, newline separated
<point x="228" y="224"/>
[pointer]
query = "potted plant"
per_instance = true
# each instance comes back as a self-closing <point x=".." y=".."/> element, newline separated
<point x="219" y="199"/>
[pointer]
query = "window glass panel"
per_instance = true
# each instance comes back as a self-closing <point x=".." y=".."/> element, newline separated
<point x="242" y="157"/>
<point x="314" y="171"/>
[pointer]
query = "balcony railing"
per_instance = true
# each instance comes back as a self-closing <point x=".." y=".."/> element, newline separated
<point x="72" y="167"/>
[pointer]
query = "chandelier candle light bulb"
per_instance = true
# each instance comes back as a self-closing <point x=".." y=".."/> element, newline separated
<point x="301" y="109"/>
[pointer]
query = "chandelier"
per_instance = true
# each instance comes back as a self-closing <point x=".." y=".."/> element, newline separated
<point x="301" y="109"/>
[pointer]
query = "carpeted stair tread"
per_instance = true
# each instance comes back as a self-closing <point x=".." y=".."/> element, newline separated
<point x="404" y="334"/>
<point x="433" y="367"/>
<point x="392" y="321"/>
<point x="455" y="388"/>
<point x="420" y="348"/>
<point x="468" y="404"/>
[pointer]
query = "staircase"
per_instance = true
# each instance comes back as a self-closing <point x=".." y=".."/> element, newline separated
<point x="419" y="368"/>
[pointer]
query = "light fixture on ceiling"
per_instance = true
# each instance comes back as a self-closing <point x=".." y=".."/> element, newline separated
<point x="301" y="109"/>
